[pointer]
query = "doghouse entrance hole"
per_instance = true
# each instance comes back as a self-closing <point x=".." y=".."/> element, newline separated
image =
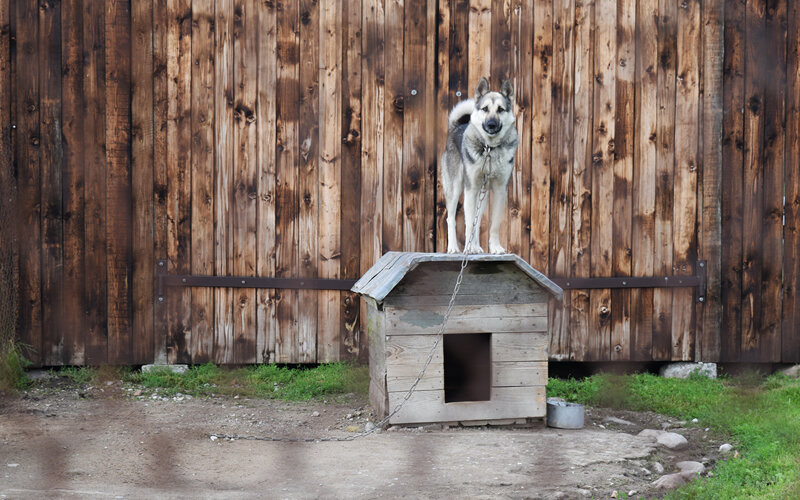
<point x="467" y="367"/>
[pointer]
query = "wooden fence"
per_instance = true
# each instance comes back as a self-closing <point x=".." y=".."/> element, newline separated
<point x="297" y="138"/>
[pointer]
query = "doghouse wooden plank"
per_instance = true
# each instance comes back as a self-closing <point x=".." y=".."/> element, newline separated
<point x="489" y="319"/>
<point x="96" y="278"/>
<point x="265" y="231"/>
<point x="286" y="264"/>
<point x="790" y="338"/>
<point x="623" y="178"/>
<point x="179" y="205"/>
<point x="202" y="177"/>
<point x="507" y="402"/>
<point x="399" y="378"/>
<point x="27" y="150"/>
<point x="561" y="163"/>
<point x="223" y="162"/>
<point x="375" y="325"/>
<point x="160" y="181"/>
<point x="519" y="201"/>
<point x="394" y="94"/>
<point x="142" y="107"/>
<point x="687" y="133"/>
<point x="603" y="148"/>
<point x="118" y="170"/>
<point x="478" y="311"/>
<point x="518" y="373"/>
<point x="644" y="175"/>
<point x="773" y="164"/>
<point x="311" y="138"/>
<point x="330" y="167"/>
<point x="411" y="349"/>
<point x="580" y="265"/>
<point x="529" y="346"/>
<point x="51" y="203"/>
<point x="732" y="152"/>
<point x="343" y="341"/>
<point x="753" y="190"/>
<point x="665" y="158"/>
<point x="378" y="398"/>
<point x="541" y="118"/>
<point x="73" y="113"/>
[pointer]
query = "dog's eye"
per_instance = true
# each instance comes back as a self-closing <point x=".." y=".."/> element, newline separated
<point x="485" y="109"/>
<point x="501" y="110"/>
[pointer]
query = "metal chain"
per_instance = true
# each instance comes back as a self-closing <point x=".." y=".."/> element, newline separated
<point x="431" y="354"/>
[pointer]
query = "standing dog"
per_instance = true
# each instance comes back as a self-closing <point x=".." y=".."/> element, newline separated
<point x="481" y="143"/>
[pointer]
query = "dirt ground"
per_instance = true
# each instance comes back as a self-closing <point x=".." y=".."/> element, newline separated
<point x="62" y="441"/>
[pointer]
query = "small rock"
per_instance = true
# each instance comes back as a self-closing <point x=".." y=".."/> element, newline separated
<point x="349" y="416"/>
<point x="658" y="468"/>
<point x="685" y="370"/>
<point x="12" y="465"/>
<point x="369" y="427"/>
<point x="672" y="440"/>
<point x="170" y="368"/>
<point x="614" y="494"/>
<point x="315" y="414"/>
<point x="725" y="448"/>
<point x="615" y="420"/>
<point x="792" y="371"/>
<point x="214" y="438"/>
<point x="110" y="382"/>
<point x="690" y="469"/>
<point x="137" y="392"/>
<point x="694" y="420"/>
<point x="632" y="493"/>
<point x="651" y="433"/>
<point x="669" y="482"/>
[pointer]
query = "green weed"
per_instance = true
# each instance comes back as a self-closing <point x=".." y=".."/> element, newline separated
<point x="80" y="375"/>
<point x="12" y="367"/>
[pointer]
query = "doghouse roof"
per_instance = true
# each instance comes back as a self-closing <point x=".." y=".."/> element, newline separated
<point x="393" y="267"/>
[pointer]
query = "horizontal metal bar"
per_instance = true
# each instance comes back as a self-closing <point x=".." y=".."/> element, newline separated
<point x="257" y="282"/>
<point x="628" y="282"/>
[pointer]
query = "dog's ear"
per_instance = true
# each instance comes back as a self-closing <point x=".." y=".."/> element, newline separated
<point x="507" y="89"/>
<point x="483" y="88"/>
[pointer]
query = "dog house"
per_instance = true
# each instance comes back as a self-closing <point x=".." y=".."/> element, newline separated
<point x="491" y="364"/>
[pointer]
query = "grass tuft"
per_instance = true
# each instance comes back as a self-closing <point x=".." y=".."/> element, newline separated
<point x="12" y="367"/>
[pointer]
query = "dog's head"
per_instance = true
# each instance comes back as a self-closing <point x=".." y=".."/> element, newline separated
<point x="494" y="111"/>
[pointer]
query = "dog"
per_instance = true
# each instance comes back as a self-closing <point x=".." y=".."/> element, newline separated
<point x="481" y="145"/>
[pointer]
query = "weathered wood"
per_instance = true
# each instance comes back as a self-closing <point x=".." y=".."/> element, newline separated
<point x="772" y="244"/>
<point x="179" y="204"/>
<point x="375" y="326"/>
<point x="519" y="373"/>
<point x="160" y="181"/>
<point x="400" y="377"/>
<point x="732" y="153"/>
<point x="223" y="351"/>
<point x="526" y="346"/>
<point x="500" y="68"/>
<point x="707" y="343"/>
<point x="665" y="158"/>
<point x="790" y="335"/>
<point x="286" y="183"/>
<point x="142" y="182"/>
<point x="752" y="191"/>
<point x="9" y="254"/>
<point x="561" y="165"/>
<point x="394" y="103"/>
<point x="443" y="103"/>
<point x="459" y="67"/>
<point x="344" y="341"/>
<point x="429" y="159"/>
<point x="265" y="233"/>
<point x="474" y="319"/>
<point x="644" y="175"/>
<point x="541" y="118"/>
<point x="603" y="150"/>
<point x="479" y="43"/>
<point x="203" y="124"/>
<point x="54" y="346"/>
<point x="624" y="141"/>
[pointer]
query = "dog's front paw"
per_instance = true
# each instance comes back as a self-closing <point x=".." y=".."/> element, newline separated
<point x="473" y="249"/>
<point x="497" y="249"/>
<point x="453" y="248"/>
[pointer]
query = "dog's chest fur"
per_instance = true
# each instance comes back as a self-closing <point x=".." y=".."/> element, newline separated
<point x="479" y="157"/>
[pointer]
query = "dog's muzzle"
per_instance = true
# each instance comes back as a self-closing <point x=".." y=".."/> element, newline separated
<point x="492" y="126"/>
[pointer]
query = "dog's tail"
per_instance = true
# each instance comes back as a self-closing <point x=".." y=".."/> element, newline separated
<point x="460" y="114"/>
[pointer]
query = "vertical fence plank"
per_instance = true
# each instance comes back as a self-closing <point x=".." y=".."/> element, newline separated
<point x="790" y="338"/>
<point x="623" y="178"/>
<point x="479" y="66"/>
<point x="603" y="143"/>
<point x="55" y="347"/>
<point x="287" y="96"/>
<point x="541" y="118"/>
<point x="732" y="152"/>
<point x="442" y="109"/>
<point x="774" y="63"/>
<point x="142" y="180"/>
<point x="9" y="253"/>
<point x="203" y="124"/>
<point x="394" y="104"/>
<point x="344" y="341"/>
<point x="521" y="74"/>
<point x="644" y="173"/>
<point x="753" y="194"/>
<point x="310" y="139"/>
<point x="223" y="167"/>
<point x="242" y="259"/>
<point x="581" y="230"/>
<point x="160" y="181"/>
<point x="265" y="235"/>
<point x="27" y="149"/>
<point x="501" y="64"/>
<point x="459" y="64"/>
<point x="179" y="171"/>
<point x="330" y="171"/>
<point x="665" y="158"/>
<point x="118" y="161"/>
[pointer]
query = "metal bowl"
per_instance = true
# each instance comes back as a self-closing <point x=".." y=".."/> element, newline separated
<point x="563" y="415"/>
